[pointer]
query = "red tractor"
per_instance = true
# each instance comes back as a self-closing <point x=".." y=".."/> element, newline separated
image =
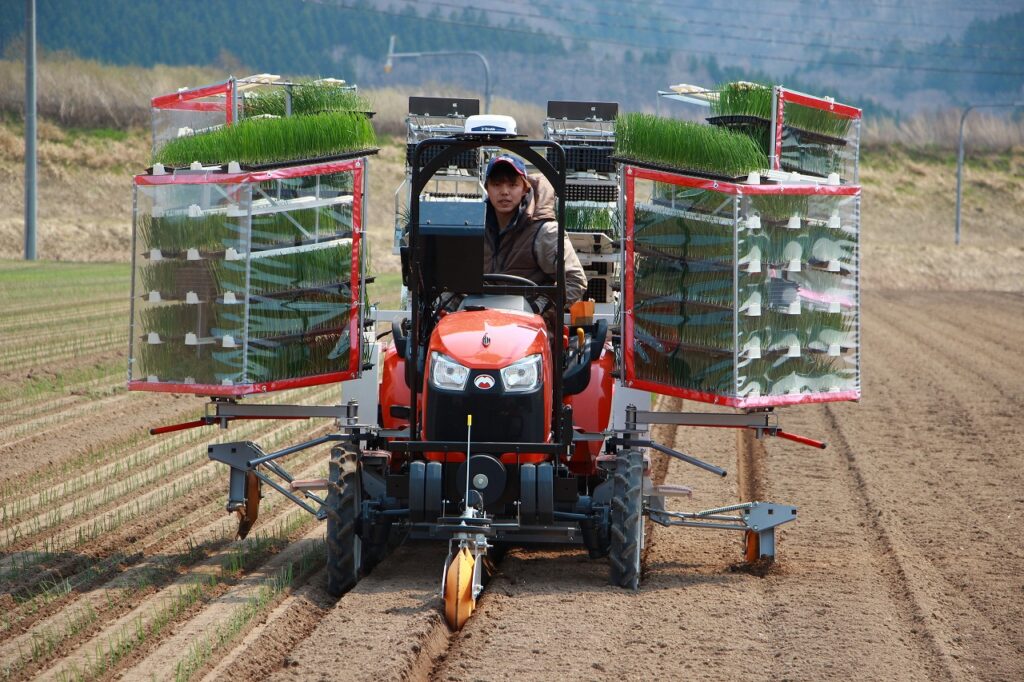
<point x="556" y="452"/>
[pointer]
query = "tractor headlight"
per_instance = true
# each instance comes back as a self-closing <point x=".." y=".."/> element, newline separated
<point x="522" y="376"/>
<point x="447" y="374"/>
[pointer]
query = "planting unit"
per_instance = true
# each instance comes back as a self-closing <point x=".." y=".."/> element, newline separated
<point x="246" y="282"/>
<point x="741" y="294"/>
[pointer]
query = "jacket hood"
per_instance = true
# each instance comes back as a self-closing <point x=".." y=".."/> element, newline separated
<point x="541" y="204"/>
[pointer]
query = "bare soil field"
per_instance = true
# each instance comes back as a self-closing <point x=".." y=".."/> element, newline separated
<point x="117" y="560"/>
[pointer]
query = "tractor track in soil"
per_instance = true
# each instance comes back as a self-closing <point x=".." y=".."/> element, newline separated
<point x="903" y="564"/>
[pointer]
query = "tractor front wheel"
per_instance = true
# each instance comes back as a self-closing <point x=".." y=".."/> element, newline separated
<point x="344" y="547"/>
<point x="627" y="520"/>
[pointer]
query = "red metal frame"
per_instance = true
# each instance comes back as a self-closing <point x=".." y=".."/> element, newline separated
<point x="631" y="174"/>
<point x="784" y="96"/>
<point x="356" y="167"/>
<point x="184" y="99"/>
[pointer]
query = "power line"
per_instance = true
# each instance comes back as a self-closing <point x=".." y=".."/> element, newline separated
<point x="716" y="53"/>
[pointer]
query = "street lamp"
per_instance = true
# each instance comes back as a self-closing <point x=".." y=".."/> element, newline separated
<point x="960" y="156"/>
<point x="392" y="55"/>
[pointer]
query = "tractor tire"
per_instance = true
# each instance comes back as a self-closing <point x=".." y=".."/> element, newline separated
<point x="627" y="520"/>
<point x="344" y="503"/>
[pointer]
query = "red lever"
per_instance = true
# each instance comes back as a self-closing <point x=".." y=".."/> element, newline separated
<point x="157" y="430"/>
<point x="803" y="440"/>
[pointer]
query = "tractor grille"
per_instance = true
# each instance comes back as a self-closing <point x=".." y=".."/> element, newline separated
<point x="497" y="418"/>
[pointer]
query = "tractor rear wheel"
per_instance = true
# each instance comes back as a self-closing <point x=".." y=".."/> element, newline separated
<point x="344" y="502"/>
<point x="627" y="521"/>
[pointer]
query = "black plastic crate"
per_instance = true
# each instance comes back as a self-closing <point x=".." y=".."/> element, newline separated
<point x="585" y="158"/>
<point x="591" y="192"/>
<point x="469" y="158"/>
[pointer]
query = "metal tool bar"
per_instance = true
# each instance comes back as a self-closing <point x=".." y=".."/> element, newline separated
<point x="699" y="463"/>
<point x="698" y="524"/>
<point x="295" y="448"/>
<point x="284" y="491"/>
<point x="231" y="409"/>
<point x="753" y="420"/>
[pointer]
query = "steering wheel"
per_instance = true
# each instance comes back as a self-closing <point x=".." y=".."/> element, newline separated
<point x="510" y="279"/>
<point x="534" y="300"/>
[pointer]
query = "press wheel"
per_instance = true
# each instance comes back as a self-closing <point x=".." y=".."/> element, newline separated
<point x="458" y="589"/>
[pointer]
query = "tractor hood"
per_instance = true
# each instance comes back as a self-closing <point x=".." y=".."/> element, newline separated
<point x="489" y="339"/>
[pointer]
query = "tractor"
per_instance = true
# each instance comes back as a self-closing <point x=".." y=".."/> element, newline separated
<point x="477" y="426"/>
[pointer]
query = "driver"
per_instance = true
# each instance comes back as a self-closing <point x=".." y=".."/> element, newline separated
<point x="521" y="233"/>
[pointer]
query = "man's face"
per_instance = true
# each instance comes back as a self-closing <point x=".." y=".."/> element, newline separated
<point x="505" y="194"/>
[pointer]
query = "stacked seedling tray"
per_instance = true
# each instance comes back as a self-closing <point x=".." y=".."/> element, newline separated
<point x="458" y="186"/>
<point x="736" y="292"/>
<point x="586" y="132"/>
<point x="800" y="133"/>
<point x="247" y="266"/>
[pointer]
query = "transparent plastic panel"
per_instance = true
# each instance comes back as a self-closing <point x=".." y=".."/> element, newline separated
<point x="818" y="142"/>
<point x="683" y="292"/>
<point x="241" y="284"/>
<point x="797" y="330"/>
<point x="171" y="123"/>
<point x="182" y="233"/>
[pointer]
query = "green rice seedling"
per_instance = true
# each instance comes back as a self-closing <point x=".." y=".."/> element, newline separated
<point x="591" y="218"/>
<point x="308" y="97"/>
<point x="815" y="120"/>
<point x="779" y="207"/>
<point x="283" y="228"/>
<point x="175" y="320"/>
<point x="743" y="99"/>
<point x="300" y="269"/>
<point x="689" y="326"/>
<point x="682" y="367"/>
<point x="687" y="146"/>
<point x="680" y="237"/>
<point x="322" y="354"/>
<point x="173" y="235"/>
<point x="261" y="141"/>
<point x="173" y="362"/>
<point x="694" y="282"/>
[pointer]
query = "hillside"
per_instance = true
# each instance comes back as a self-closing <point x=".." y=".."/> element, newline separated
<point x="907" y="208"/>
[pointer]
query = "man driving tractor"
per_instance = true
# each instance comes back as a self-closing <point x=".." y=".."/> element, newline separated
<point x="521" y="233"/>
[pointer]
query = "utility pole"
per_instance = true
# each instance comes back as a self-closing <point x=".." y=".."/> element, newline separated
<point x="960" y="158"/>
<point x="30" y="130"/>
<point x="392" y="55"/>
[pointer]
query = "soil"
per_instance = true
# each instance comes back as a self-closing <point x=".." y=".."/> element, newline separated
<point x="902" y="563"/>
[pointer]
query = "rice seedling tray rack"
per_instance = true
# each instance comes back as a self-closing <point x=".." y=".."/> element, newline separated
<point x="744" y="295"/>
<point x="344" y="156"/>
<point x="247" y="281"/>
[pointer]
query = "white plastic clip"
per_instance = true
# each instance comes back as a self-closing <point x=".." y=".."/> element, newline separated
<point x="229" y="298"/>
<point x="191" y="339"/>
<point x="233" y="167"/>
<point x="195" y="211"/>
<point x="753" y="178"/>
<point x="155" y="255"/>
<point x="228" y="341"/>
<point x="794" y="308"/>
<point x="753" y="222"/>
<point x="754" y="310"/>
<point x="794" y="222"/>
<point x="195" y="165"/>
<point x="158" y="169"/>
<point x="794" y="265"/>
<point x="833" y="221"/>
<point x="192" y="298"/>
<point x="833" y="350"/>
<point x="833" y="178"/>
<point x="833" y="265"/>
<point x="154" y="297"/>
<point x="834" y="307"/>
<point x="231" y="254"/>
<point x="153" y="339"/>
<point x="793" y="351"/>
<point x="193" y="254"/>
<point x="753" y="349"/>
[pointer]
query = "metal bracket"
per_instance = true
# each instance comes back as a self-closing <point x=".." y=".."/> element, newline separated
<point x="757" y="517"/>
<point x="222" y="409"/>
